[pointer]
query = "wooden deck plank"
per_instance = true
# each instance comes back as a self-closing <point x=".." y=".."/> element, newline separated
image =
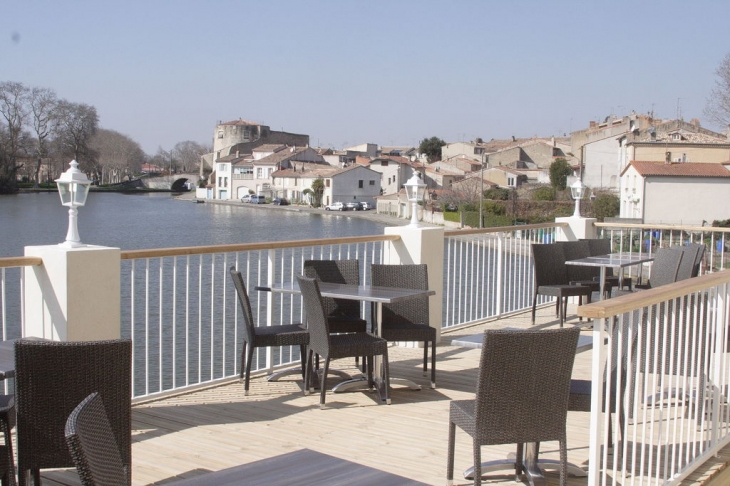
<point x="217" y="428"/>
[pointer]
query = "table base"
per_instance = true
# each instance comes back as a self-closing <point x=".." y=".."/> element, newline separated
<point x="296" y="371"/>
<point x="361" y="384"/>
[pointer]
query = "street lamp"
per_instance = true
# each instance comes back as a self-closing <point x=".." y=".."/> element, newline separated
<point x="73" y="187"/>
<point x="415" y="189"/>
<point x="481" y="192"/>
<point x="577" y="190"/>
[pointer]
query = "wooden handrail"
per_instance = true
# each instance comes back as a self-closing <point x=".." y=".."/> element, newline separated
<point x="663" y="227"/>
<point x="20" y="262"/>
<point x="645" y="298"/>
<point x="503" y="229"/>
<point x="270" y="245"/>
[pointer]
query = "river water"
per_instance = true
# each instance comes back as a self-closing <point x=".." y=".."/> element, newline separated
<point x="143" y="221"/>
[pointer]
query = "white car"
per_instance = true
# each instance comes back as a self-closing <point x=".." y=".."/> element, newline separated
<point x="338" y="206"/>
<point x="246" y="198"/>
<point x="365" y="206"/>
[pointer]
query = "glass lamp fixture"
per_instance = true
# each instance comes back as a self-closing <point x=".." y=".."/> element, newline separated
<point x="73" y="187"/>
<point x="577" y="190"/>
<point x="415" y="190"/>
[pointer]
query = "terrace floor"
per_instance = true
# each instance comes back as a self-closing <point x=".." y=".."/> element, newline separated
<point x="219" y="427"/>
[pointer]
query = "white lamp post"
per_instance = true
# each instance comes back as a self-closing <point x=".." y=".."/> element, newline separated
<point x="577" y="190"/>
<point x="73" y="187"/>
<point x="415" y="189"/>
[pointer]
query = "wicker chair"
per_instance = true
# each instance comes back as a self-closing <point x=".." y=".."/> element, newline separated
<point x="264" y="336"/>
<point x="580" y="274"/>
<point x="51" y="378"/>
<point x="343" y="315"/>
<point x="698" y="257"/>
<point x="664" y="269"/>
<point x="7" y="422"/>
<point x="91" y="442"/>
<point x="520" y="396"/>
<point x="551" y="278"/>
<point x="691" y="258"/>
<point x="408" y="320"/>
<point x="333" y="346"/>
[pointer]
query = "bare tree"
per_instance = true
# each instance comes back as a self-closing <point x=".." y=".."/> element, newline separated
<point x="718" y="103"/>
<point x="13" y="139"/>
<point x="188" y="155"/>
<point x="43" y="104"/>
<point x="77" y="123"/>
<point x="117" y="155"/>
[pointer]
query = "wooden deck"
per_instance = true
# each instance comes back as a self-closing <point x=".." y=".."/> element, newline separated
<point x="219" y="427"/>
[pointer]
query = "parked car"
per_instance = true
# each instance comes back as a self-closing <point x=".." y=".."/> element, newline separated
<point x="246" y="198"/>
<point x="280" y="201"/>
<point x="338" y="206"/>
<point x="258" y="199"/>
<point x="366" y="206"/>
<point x="353" y="206"/>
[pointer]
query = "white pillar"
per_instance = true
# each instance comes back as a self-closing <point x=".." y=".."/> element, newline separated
<point x="74" y="295"/>
<point x="577" y="229"/>
<point x="421" y="245"/>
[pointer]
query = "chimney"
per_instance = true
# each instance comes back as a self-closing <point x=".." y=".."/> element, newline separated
<point x="592" y="124"/>
<point x="513" y="138"/>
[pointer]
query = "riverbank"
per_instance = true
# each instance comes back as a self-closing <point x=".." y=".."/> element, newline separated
<point x="370" y="215"/>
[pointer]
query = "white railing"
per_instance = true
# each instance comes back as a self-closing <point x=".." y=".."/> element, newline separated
<point x="488" y="272"/>
<point x="641" y="238"/>
<point x="670" y="380"/>
<point x="180" y="308"/>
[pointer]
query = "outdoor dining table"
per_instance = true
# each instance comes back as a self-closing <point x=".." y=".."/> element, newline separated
<point x="7" y="357"/>
<point x="364" y="293"/>
<point x="613" y="260"/>
<point x="532" y="465"/>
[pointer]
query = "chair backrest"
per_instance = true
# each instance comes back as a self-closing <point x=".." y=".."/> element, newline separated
<point x="336" y="271"/>
<point x="549" y="263"/>
<point x="665" y="267"/>
<point x="523" y="384"/>
<point x="249" y="327"/>
<point x="573" y="250"/>
<point x="599" y="246"/>
<point x="91" y="442"/>
<point x="52" y="378"/>
<point x="687" y="265"/>
<point x="698" y="257"/>
<point x="314" y="311"/>
<point x="411" y="276"/>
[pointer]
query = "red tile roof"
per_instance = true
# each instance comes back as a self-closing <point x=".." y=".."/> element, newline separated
<point x="682" y="169"/>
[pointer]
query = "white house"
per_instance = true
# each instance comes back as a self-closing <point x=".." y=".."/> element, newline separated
<point x="675" y="193"/>
<point x="353" y="183"/>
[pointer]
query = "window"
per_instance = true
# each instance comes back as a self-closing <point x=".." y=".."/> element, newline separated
<point x="372" y="183"/>
<point x="220" y="133"/>
<point x="383" y="163"/>
<point x="259" y="173"/>
<point x="221" y="167"/>
<point x="326" y="182"/>
<point x="360" y="184"/>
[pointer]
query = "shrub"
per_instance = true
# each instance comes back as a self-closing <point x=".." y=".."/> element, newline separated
<point x="543" y="194"/>
<point x="497" y="194"/>
<point x="606" y="205"/>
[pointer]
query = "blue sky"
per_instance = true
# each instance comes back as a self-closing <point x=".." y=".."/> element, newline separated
<point x="349" y="72"/>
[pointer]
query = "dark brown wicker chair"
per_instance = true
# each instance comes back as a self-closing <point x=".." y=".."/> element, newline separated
<point x="264" y="336"/>
<point x="51" y="379"/>
<point x="334" y="346"/>
<point x="343" y="315"/>
<point x="91" y="442"/>
<point x="407" y="320"/>
<point x="580" y="274"/>
<point x="7" y="422"/>
<point x="551" y="278"/>
<point x="521" y="396"/>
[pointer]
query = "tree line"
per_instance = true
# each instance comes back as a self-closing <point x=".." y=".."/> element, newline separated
<point x="41" y="133"/>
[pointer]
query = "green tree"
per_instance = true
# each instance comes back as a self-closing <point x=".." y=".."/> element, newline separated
<point x="606" y="205"/>
<point x="718" y="103"/>
<point x="559" y="172"/>
<point x="497" y="194"/>
<point x="318" y="191"/>
<point x="432" y="148"/>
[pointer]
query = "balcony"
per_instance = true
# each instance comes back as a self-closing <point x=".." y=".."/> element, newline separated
<point x="190" y="415"/>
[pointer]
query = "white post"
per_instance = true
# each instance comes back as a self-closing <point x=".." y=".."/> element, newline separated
<point x="421" y="245"/>
<point x="74" y="295"/>
<point x="578" y="229"/>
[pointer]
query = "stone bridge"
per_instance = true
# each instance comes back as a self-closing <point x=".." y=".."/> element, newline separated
<point x="173" y="182"/>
